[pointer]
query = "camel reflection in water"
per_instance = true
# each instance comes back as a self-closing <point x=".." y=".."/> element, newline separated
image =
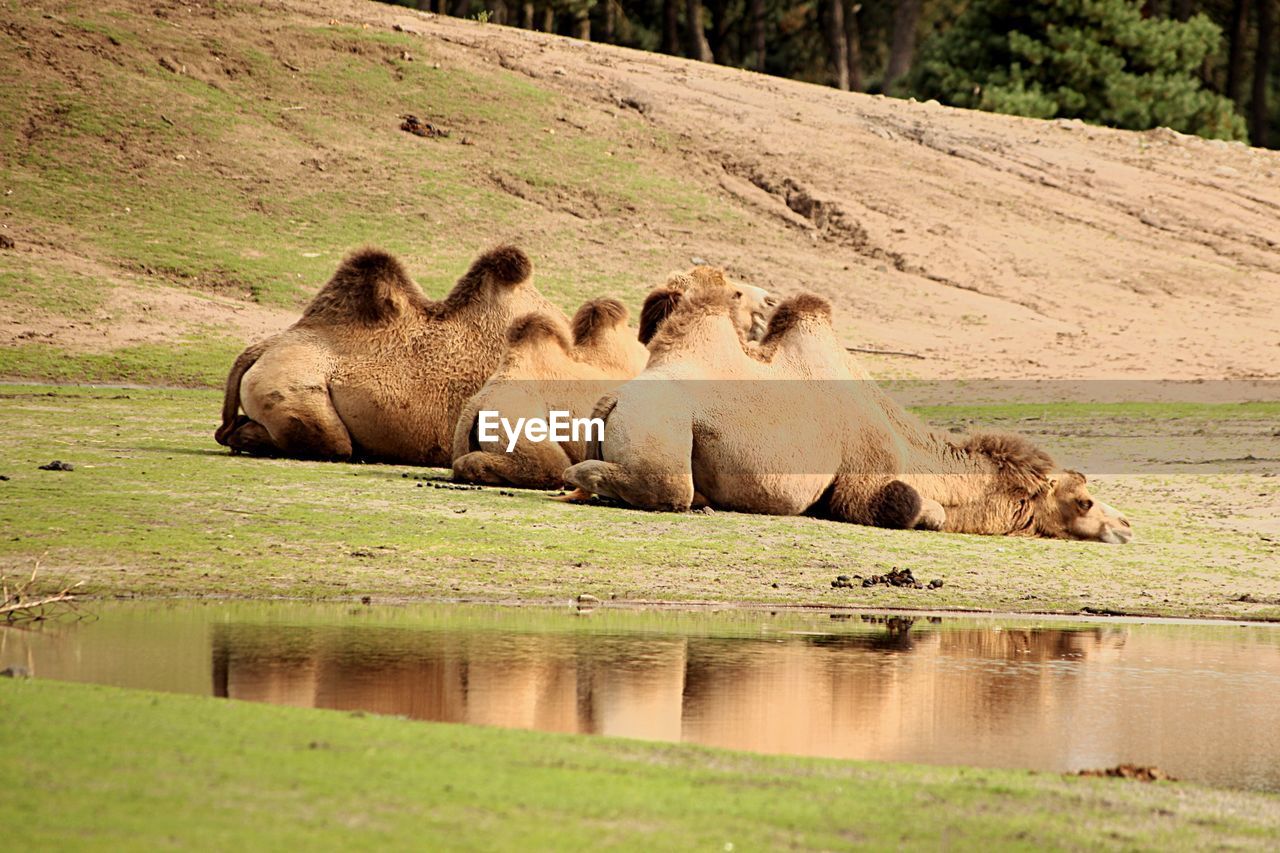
<point x="868" y="694"/>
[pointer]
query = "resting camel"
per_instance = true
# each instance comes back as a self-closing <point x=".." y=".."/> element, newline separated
<point x="374" y="368"/>
<point x="545" y="370"/>
<point x="799" y="432"/>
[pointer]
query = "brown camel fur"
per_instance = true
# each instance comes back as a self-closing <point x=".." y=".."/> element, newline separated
<point x="543" y="370"/>
<point x="374" y="368"/>
<point x="801" y="432"/>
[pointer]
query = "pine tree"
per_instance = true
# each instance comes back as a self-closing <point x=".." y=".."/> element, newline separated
<point x="1097" y="60"/>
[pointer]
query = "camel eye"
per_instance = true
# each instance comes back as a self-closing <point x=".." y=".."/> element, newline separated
<point x="1085" y="504"/>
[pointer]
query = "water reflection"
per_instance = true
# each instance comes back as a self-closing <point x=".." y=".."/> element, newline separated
<point x="1201" y="702"/>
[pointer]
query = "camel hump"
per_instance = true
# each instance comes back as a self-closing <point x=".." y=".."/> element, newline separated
<point x="534" y="329"/>
<point x="503" y="266"/>
<point x="369" y="286"/>
<point x="791" y="312"/>
<point x="658" y="306"/>
<point x="596" y="317"/>
<point x="689" y="308"/>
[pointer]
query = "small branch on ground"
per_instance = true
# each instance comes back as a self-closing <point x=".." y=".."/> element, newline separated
<point x="887" y="352"/>
<point x="20" y="602"/>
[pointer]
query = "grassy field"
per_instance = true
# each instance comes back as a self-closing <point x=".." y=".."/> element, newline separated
<point x="178" y="179"/>
<point x="233" y="159"/>
<point x="93" y="767"/>
<point x="155" y="507"/>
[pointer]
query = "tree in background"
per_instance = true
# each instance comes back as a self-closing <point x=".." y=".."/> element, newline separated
<point x="1097" y="60"/>
<point x="878" y="45"/>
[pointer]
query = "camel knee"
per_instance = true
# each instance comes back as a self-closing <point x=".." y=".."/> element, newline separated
<point x="306" y="439"/>
<point x="474" y="467"/>
<point x="246" y="436"/>
<point x="591" y="476"/>
<point x="613" y="481"/>
<point x="931" y="516"/>
<point x="895" y="506"/>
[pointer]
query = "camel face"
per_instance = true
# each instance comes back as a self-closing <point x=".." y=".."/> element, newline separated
<point x="752" y="306"/>
<point x="1072" y="513"/>
<point x="755" y="307"/>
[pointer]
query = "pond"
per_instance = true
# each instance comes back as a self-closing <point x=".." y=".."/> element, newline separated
<point x="1201" y="701"/>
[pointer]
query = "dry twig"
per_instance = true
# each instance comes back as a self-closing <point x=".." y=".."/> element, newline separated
<point x="19" y="603"/>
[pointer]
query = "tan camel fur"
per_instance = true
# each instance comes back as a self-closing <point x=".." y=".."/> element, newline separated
<point x="544" y="371"/>
<point x="800" y="431"/>
<point x="374" y="368"/>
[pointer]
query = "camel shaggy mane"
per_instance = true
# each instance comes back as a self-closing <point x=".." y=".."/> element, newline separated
<point x="596" y="317"/>
<point x="536" y="328"/>
<point x="372" y="287"/>
<point x="1023" y="467"/>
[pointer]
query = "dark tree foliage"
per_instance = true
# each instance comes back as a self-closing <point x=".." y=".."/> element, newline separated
<point x="1127" y="63"/>
<point x="1097" y="60"/>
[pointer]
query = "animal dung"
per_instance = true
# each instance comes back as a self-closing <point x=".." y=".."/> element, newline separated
<point x="420" y="127"/>
<point x="895" y="577"/>
<point x="1131" y="771"/>
<point x="58" y="465"/>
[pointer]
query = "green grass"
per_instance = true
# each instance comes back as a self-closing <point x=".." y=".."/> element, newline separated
<point x="102" y="767"/>
<point x="56" y="291"/>
<point x="202" y="361"/>
<point x="155" y="507"/>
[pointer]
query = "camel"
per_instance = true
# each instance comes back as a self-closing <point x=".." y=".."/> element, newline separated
<point x="374" y="368"/>
<point x="545" y="370"/>
<point x="800" y="432"/>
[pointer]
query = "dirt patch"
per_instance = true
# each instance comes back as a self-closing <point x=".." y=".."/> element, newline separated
<point x="135" y="312"/>
<point x="994" y="246"/>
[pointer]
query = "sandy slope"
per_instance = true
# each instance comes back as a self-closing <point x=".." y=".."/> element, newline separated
<point x="995" y="246"/>
<point x="992" y="246"/>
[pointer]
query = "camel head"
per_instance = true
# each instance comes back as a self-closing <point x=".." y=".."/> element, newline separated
<point x="601" y="336"/>
<point x="1066" y="510"/>
<point x="1046" y="500"/>
<point x="752" y="305"/>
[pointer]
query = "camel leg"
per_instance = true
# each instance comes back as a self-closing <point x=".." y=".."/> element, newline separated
<point x="303" y="424"/>
<point x="664" y="490"/>
<point x="251" y="437"/>
<point x="932" y="516"/>
<point x="515" y="469"/>
<point x="880" y="501"/>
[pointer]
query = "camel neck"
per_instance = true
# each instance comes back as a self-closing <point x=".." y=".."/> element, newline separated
<point x="967" y="483"/>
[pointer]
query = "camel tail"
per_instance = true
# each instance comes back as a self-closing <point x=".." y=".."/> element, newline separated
<point x="231" y="397"/>
<point x="604" y="407"/>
